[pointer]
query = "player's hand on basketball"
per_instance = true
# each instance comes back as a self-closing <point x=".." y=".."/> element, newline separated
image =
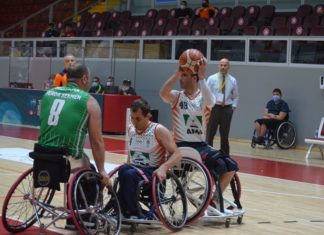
<point x="202" y="68"/>
<point x="105" y="179"/>
<point x="160" y="173"/>
<point x="178" y="72"/>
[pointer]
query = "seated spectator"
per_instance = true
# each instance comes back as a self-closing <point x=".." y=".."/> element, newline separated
<point x="184" y="11"/>
<point x="276" y="112"/>
<point x="68" y="31"/>
<point x="110" y="87"/>
<point x="96" y="86"/>
<point x="207" y="11"/>
<point x="126" y="88"/>
<point x="51" y="31"/>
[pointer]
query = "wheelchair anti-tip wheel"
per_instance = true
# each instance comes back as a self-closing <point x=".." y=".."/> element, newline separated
<point x="170" y="201"/>
<point x="18" y="213"/>
<point x="94" y="208"/>
<point x="285" y="135"/>
<point x="197" y="182"/>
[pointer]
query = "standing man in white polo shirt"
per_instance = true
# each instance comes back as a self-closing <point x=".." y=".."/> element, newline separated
<point x="225" y="89"/>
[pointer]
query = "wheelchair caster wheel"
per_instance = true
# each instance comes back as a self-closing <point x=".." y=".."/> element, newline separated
<point x="253" y="145"/>
<point x="133" y="228"/>
<point x="239" y="219"/>
<point x="227" y="222"/>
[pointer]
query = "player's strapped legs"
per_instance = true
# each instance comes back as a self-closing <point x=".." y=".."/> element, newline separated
<point x="129" y="179"/>
<point x="217" y="161"/>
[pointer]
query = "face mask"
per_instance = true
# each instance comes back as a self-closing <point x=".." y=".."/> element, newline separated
<point x="276" y="98"/>
<point x="183" y="7"/>
<point x="94" y="84"/>
<point x="109" y="83"/>
<point x="125" y="88"/>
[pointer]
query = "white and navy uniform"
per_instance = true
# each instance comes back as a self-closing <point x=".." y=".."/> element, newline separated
<point x="147" y="154"/>
<point x="189" y="117"/>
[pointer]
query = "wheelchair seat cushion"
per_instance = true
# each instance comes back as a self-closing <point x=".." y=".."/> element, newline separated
<point x="49" y="168"/>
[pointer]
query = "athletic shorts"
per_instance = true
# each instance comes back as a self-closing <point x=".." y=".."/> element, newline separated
<point x="221" y="162"/>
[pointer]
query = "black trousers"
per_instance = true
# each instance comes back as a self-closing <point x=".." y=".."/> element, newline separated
<point x="221" y="116"/>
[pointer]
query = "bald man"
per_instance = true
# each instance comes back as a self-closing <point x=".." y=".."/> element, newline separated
<point x="225" y="89"/>
<point x="60" y="78"/>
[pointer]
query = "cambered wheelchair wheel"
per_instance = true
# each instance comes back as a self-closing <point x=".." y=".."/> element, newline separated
<point x="94" y="208"/>
<point x="231" y="197"/>
<point x="18" y="213"/>
<point x="285" y="135"/>
<point x="170" y="202"/>
<point x="197" y="182"/>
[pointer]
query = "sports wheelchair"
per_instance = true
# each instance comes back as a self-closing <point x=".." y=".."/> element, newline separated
<point x="284" y="135"/>
<point x="159" y="202"/>
<point x="204" y="197"/>
<point x="92" y="207"/>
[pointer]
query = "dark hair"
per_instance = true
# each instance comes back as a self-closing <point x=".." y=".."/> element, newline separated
<point x="51" y="24"/>
<point x="128" y="82"/>
<point x="142" y="105"/>
<point x="277" y="90"/>
<point x="96" y="78"/>
<point x="76" y="71"/>
<point x="184" y="2"/>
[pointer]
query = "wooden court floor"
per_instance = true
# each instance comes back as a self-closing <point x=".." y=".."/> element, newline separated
<point x="282" y="193"/>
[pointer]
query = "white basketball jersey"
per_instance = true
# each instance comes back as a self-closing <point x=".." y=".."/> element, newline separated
<point x="144" y="149"/>
<point x="190" y="117"/>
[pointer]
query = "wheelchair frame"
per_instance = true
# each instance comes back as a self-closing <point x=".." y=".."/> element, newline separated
<point x="36" y="203"/>
<point x="155" y="211"/>
<point x="281" y="135"/>
<point x="215" y="202"/>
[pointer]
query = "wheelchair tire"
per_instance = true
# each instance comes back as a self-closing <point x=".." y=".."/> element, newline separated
<point x="285" y="135"/>
<point x="102" y="213"/>
<point x="17" y="210"/>
<point x="170" y="201"/>
<point x="197" y="182"/>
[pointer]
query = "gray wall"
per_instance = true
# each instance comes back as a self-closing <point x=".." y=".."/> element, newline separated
<point x="300" y="88"/>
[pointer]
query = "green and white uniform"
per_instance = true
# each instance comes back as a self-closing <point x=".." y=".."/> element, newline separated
<point x="64" y="119"/>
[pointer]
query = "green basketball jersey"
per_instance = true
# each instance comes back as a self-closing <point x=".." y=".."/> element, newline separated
<point x="64" y="119"/>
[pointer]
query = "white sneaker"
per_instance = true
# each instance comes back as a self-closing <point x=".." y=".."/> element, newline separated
<point x="228" y="212"/>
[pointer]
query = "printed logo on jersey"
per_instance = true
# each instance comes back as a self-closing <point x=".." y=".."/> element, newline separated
<point x="193" y="125"/>
<point x="140" y="158"/>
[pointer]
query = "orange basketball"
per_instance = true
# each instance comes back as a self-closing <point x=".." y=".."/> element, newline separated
<point x="190" y="59"/>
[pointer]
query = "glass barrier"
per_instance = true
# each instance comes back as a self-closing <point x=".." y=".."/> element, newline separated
<point x="157" y="49"/>
<point x="19" y="72"/>
<point x="126" y="49"/>
<point x="97" y="49"/>
<point x="272" y="51"/>
<point x="182" y="45"/>
<point x="234" y="50"/>
<point x="46" y="48"/>
<point x="5" y="48"/>
<point x="73" y="47"/>
<point x="22" y="49"/>
<point x="307" y="52"/>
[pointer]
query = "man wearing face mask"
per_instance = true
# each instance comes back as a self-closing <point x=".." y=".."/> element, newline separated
<point x="276" y="111"/>
<point x="207" y="11"/>
<point x="96" y="86"/>
<point x="184" y="11"/>
<point x="126" y="88"/>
